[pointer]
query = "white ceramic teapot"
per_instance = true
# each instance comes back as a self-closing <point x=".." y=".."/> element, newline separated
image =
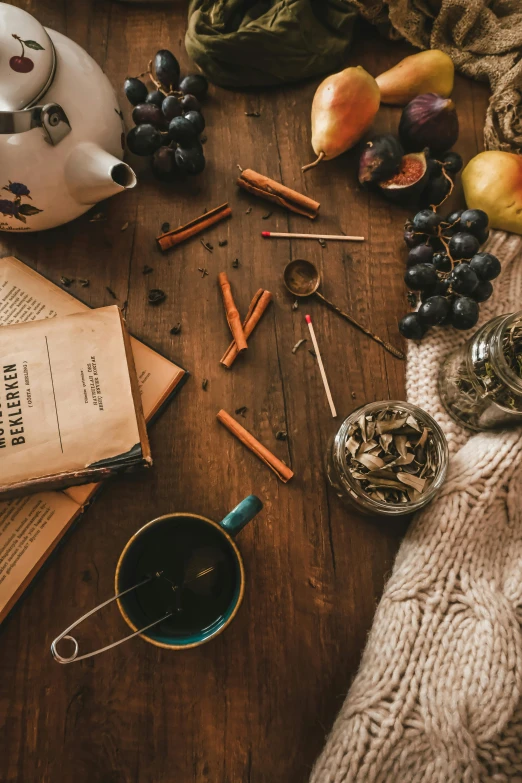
<point x="61" y="129"/>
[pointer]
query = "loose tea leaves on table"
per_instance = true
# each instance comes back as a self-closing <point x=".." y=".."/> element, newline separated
<point x="235" y="263"/>
<point x="298" y="344"/>
<point x="176" y="329"/>
<point x="207" y="246"/>
<point x="66" y="281"/>
<point x="391" y="455"/>
<point x="84" y="282"/>
<point x="111" y="292"/>
<point x="156" y="296"/>
<point x="241" y="411"/>
<point x="147" y="270"/>
<point x="223" y="242"/>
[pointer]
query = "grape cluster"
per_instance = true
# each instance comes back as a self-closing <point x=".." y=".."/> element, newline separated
<point x="445" y="266"/>
<point x="168" y="119"/>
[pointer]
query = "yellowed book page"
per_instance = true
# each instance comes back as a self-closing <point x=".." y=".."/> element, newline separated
<point x="26" y="295"/>
<point x="29" y="528"/>
<point x="65" y="395"/>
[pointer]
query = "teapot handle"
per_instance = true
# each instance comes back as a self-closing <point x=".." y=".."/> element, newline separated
<point x="51" y="118"/>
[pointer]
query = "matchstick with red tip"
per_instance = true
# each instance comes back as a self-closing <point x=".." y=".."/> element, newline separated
<point x="337" y="237"/>
<point x="321" y="366"/>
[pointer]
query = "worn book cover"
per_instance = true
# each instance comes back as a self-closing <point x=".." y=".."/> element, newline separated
<point x="70" y="407"/>
<point x="32" y="526"/>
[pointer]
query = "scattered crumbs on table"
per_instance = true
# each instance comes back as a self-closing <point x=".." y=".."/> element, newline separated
<point x="124" y="227"/>
<point x="111" y="292"/>
<point x="241" y="411"/>
<point x="66" y="281"/>
<point x="223" y="242"/>
<point x="176" y="329"/>
<point x="312" y="353"/>
<point x="204" y="384"/>
<point x="252" y="114"/>
<point x="239" y="167"/>
<point x="298" y="344"/>
<point x="235" y="263"/>
<point x="248" y="211"/>
<point x="165" y="227"/>
<point x="203" y="139"/>
<point x="156" y="296"/>
<point x="203" y="270"/>
<point x="97" y="217"/>
<point x="295" y="304"/>
<point x="84" y="282"/>
<point x="281" y="435"/>
<point x="265" y="217"/>
<point x="322" y="242"/>
<point x="353" y="395"/>
<point x="147" y="269"/>
<point x="207" y="246"/>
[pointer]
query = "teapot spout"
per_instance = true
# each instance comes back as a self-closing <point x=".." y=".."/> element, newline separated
<point x="93" y="174"/>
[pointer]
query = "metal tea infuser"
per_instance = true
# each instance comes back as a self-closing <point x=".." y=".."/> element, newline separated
<point x="302" y="279"/>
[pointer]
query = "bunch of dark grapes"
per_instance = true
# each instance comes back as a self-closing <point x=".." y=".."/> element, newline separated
<point x="168" y="119"/>
<point x="445" y="266"/>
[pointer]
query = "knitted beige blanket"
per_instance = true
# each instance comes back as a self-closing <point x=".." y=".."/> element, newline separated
<point x="438" y="696"/>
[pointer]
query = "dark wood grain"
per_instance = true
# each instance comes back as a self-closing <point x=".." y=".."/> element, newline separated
<point x="254" y="705"/>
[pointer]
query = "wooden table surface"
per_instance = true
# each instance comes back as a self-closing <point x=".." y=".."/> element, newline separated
<point x="254" y="705"/>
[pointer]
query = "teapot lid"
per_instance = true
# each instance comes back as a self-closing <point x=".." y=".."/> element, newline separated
<point x="27" y="58"/>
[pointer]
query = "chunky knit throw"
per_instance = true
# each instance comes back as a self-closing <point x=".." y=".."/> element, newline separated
<point x="437" y="698"/>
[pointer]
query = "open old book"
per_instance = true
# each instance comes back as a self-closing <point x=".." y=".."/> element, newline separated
<point x="31" y="526"/>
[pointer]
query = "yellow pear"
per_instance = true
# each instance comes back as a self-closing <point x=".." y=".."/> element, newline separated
<point x="343" y="108"/>
<point x="492" y="181"/>
<point x="429" y="71"/>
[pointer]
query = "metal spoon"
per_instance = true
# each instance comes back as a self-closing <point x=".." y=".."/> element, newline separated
<point x="302" y="279"/>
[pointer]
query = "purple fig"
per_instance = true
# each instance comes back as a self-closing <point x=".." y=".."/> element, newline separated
<point x="429" y="121"/>
<point x="381" y="159"/>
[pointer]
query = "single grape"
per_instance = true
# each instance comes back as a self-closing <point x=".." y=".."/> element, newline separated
<point x="420" y="277"/>
<point x="190" y="103"/>
<point x="463" y="279"/>
<point x="464" y="313"/>
<point x="452" y="162"/>
<point x="420" y="254"/>
<point x="163" y="164"/>
<point x="434" y="167"/>
<point x="148" y="113"/>
<point x="182" y="130"/>
<point x="190" y="160"/>
<point x="171" y="107"/>
<point x="426" y="221"/>
<point x="156" y="97"/>
<point x="144" y="139"/>
<point x="436" y="190"/>
<point x="167" y="69"/>
<point x="412" y="327"/>
<point x="485" y="265"/>
<point x="434" y="310"/>
<point x="412" y="239"/>
<point x="451" y="224"/>
<point x="194" y="84"/>
<point x="135" y="90"/>
<point x="196" y="118"/>
<point x="462" y="245"/>
<point x="483" y="291"/>
<point x="473" y="221"/>
<point x="442" y="262"/>
<point x="482" y="236"/>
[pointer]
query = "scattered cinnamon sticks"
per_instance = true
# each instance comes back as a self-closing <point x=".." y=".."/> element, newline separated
<point x="232" y="313"/>
<point x="281" y="470"/>
<point x="177" y="235"/>
<point x="257" y="307"/>
<point x="269" y="189"/>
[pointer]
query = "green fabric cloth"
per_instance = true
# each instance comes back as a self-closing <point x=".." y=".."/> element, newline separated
<point x="248" y="43"/>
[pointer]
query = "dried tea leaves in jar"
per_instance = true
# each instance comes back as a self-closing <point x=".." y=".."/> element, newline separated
<point x="391" y="455"/>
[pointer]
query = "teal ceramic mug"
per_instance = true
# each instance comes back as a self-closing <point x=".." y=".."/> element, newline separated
<point x="179" y="581"/>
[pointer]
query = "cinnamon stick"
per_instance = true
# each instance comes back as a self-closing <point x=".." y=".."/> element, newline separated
<point x="269" y="189"/>
<point x="257" y="307"/>
<point x="280" y="469"/>
<point x="196" y="226"/>
<point x="232" y="313"/>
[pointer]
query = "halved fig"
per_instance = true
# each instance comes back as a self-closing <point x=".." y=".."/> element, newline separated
<point x="410" y="180"/>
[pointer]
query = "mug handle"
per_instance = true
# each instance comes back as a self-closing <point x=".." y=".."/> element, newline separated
<point x="241" y="515"/>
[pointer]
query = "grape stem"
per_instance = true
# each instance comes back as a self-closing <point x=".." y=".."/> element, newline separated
<point x="158" y="84"/>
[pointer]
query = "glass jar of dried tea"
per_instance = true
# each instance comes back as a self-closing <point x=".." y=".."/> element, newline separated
<point x="388" y="457"/>
<point x="480" y="383"/>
